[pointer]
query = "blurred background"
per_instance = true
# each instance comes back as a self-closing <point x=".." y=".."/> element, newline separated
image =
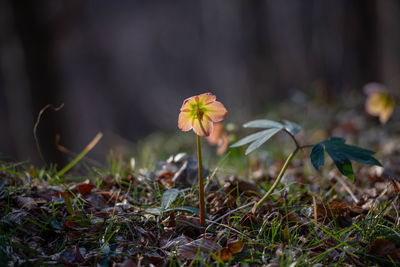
<point x="125" y="68"/>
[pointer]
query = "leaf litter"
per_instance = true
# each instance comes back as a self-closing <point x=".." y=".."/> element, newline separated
<point x="143" y="218"/>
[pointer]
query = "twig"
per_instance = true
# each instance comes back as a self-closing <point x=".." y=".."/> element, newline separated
<point x="315" y="208"/>
<point x="343" y="183"/>
<point x="37" y="124"/>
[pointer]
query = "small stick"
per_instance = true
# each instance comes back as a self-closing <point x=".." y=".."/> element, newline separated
<point x="343" y="183"/>
<point x="37" y="125"/>
<point x="315" y="208"/>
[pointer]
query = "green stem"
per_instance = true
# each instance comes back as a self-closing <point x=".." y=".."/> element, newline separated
<point x="202" y="205"/>
<point x="278" y="179"/>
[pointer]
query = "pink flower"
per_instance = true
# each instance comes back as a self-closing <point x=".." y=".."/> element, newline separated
<point x="219" y="137"/>
<point x="200" y="112"/>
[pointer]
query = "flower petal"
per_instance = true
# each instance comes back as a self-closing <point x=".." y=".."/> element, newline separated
<point x="185" y="121"/>
<point x="223" y="144"/>
<point x="204" y="128"/>
<point x="188" y="103"/>
<point x="215" y="136"/>
<point x="205" y="98"/>
<point x="216" y="111"/>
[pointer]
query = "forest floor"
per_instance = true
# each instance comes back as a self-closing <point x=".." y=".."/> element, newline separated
<point x="132" y="213"/>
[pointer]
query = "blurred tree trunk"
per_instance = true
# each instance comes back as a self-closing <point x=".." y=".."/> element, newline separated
<point x="108" y="62"/>
<point x="33" y="78"/>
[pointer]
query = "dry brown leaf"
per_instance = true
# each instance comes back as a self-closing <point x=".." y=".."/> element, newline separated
<point x="71" y="255"/>
<point x="176" y="242"/>
<point x="85" y="189"/>
<point x="126" y="263"/>
<point x="26" y="202"/>
<point x="201" y="246"/>
<point x="338" y="208"/>
<point x="384" y="248"/>
<point x="224" y="255"/>
<point x="235" y="246"/>
<point x="109" y="180"/>
<point x="333" y="209"/>
<point x="234" y="184"/>
<point x="63" y="194"/>
<point x="165" y="178"/>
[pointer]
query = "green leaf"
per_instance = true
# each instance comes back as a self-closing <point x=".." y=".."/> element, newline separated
<point x="185" y="208"/>
<point x="336" y="139"/>
<point x="292" y="127"/>
<point x="158" y="211"/>
<point x="264" y="138"/>
<point x="155" y="211"/>
<point x="249" y="138"/>
<point x="169" y="197"/>
<point x="341" y="154"/>
<point x="345" y="167"/>
<point x="263" y="124"/>
<point x="317" y="156"/>
<point x="341" y="161"/>
<point x="350" y="152"/>
<point x="259" y="138"/>
<point x="68" y="205"/>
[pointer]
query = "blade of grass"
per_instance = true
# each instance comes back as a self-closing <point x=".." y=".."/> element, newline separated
<point x="23" y="223"/>
<point x="89" y="147"/>
<point x="324" y="229"/>
<point x="108" y="240"/>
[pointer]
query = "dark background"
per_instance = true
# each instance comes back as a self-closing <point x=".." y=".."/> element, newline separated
<point x="125" y="67"/>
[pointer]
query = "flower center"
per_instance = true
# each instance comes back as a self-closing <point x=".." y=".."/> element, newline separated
<point x="199" y="113"/>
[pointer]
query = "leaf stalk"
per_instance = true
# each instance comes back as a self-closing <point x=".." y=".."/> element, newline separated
<point x="277" y="181"/>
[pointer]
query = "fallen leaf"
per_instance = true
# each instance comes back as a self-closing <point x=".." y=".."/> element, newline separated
<point x="333" y="209"/>
<point x="16" y="217"/>
<point x="131" y="178"/>
<point x="176" y="242"/>
<point x="126" y="263"/>
<point x="71" y="255"/>
<point x="165" y="178"/>
<point x="202" y="246"/>
<point x="154" y="259"/>
<point x="26" y="202"/>
<point x="70" y="225"/>
<point x="109" y="180"/>
<point x="224" y="255"/>
<point x="235" y="246"/>
<point x="234" y="184"/>
<point x="63" y="194"/>
<point x="338" y="208"/>
<point x="384" y="248"/>
<point x="85" y="189"/>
